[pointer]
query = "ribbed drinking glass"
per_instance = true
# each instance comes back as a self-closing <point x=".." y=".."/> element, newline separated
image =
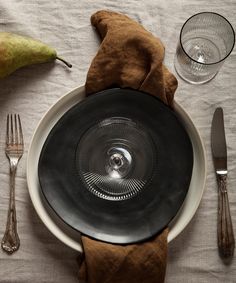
<point x="206" y="40"/>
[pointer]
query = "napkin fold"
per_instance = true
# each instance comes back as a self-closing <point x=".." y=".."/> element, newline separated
<point x="136" y="263"/>
<point x="129" y="56"/>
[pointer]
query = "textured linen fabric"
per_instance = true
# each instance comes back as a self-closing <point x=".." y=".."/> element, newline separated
<point x="193" y="255"/>
<point x="129" y="56"/>
<point x="140" y="263"/>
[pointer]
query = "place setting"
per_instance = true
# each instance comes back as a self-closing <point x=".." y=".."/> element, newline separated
<point x="116" y="168"/>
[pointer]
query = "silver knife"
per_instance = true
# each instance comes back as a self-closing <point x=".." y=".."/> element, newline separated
<point x="226" y="242"/>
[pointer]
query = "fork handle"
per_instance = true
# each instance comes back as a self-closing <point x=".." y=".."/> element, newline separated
<point x="11" y="242"/>
<point x="226" y="242"/>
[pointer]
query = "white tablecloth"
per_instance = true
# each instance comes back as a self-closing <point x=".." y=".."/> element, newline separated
<point x="193" y="256"/>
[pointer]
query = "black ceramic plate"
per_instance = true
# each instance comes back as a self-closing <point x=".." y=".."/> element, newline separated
<point x="117" y="166"/>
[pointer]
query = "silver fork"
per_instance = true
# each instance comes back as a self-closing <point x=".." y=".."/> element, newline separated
<point x="14" y="151"/>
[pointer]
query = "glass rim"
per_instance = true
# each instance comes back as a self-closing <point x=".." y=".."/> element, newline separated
<point x="201" y="63"/>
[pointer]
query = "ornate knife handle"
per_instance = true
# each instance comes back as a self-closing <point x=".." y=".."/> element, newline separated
<point x="226" y="242"/>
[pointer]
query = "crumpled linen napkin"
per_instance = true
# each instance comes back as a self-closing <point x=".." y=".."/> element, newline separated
<point x="129" y="56"/>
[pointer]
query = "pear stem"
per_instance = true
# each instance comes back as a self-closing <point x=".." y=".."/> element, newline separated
<point x="65" y="62"/>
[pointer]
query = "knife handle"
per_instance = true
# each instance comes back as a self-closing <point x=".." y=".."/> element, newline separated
<point x="226" y="242"/>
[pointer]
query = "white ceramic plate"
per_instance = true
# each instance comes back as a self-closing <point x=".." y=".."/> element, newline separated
<point x="68" y="235"/>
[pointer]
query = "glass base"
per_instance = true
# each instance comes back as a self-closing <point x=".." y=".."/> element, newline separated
<point x="192" y="78"/>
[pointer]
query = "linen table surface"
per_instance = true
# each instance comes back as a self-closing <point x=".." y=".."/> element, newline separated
<point x="65" y="25"/>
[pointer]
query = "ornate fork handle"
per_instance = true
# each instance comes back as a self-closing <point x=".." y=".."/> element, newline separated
<point x="11" y="242"/>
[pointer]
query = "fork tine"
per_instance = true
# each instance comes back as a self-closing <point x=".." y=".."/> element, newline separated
<point x="20" y="131"/>
<point x="16" y="130"/>
<point x="11" y="132"/>
<point x="7" y="130"/>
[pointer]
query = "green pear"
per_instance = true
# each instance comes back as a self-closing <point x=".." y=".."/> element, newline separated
<point x="18" y="51"/>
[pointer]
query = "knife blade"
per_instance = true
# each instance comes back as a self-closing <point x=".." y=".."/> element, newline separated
<point x="226" y="242"/>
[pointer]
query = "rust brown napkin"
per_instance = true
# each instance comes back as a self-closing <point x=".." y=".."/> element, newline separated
<point x="129" y="56"/>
